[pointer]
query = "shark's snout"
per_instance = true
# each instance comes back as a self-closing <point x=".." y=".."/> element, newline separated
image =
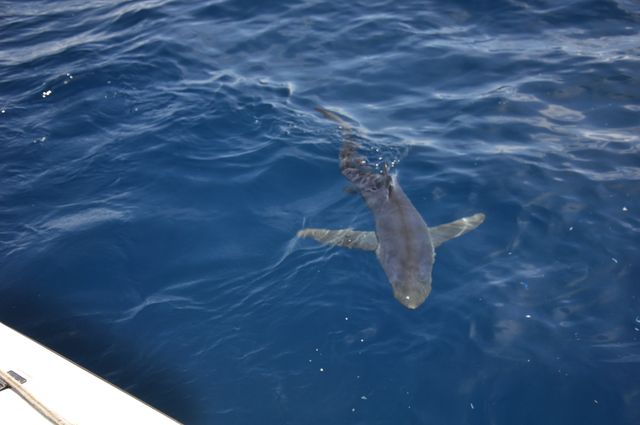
<point x="411" y="296"/>
<point x="411" y="305"/>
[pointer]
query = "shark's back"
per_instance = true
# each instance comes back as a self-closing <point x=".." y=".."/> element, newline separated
<point x="405" y="248"/>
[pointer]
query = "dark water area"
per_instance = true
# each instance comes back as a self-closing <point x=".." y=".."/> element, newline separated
<point x="158" y="157"/>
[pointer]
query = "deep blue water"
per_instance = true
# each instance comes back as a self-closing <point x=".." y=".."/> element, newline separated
<point x="158" y="157"/>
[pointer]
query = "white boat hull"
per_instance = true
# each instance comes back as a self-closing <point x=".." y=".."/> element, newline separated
<point x="70" y="392"/>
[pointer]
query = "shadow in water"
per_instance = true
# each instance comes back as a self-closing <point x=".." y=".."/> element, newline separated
<point x="98" y="349"/>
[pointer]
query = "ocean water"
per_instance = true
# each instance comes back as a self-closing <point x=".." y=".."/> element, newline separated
<point x="158" y="157"/>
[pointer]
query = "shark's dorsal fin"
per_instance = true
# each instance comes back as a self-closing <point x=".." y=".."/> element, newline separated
<point x="347" y="238"/>
<point x="444" y="232"/>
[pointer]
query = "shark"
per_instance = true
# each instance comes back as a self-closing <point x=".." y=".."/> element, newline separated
<point x="403" y="243"/>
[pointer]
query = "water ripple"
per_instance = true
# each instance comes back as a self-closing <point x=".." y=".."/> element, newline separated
<point x="158" y="158"/>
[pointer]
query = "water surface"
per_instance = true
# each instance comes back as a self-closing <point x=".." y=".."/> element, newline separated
<point x="158" y="157"/>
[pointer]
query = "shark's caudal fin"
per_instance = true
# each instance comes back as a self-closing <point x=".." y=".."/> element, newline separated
<point x="344" y="237"/>
<point x="365" y="179"/>
<point x="441" y="234"/>
<point x="330" y="115"/>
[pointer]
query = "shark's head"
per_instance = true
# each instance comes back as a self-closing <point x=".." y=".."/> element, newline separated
<point x="412" y="293"/>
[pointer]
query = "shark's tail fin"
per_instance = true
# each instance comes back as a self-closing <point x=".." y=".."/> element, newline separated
<point x="353" y="166"/>
<point x="330" y="115"/>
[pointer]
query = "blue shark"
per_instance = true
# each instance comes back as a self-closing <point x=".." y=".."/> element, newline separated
<point x="402" y="241"/>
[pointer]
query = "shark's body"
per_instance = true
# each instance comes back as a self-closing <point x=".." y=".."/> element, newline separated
<point x="402" y="241"/>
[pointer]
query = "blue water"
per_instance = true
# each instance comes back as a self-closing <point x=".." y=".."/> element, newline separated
<point x="158" y="157"/>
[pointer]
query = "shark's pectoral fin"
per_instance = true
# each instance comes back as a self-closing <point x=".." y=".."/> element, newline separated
<point x="344" y="237"/>
<point x="441" y="234"/>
